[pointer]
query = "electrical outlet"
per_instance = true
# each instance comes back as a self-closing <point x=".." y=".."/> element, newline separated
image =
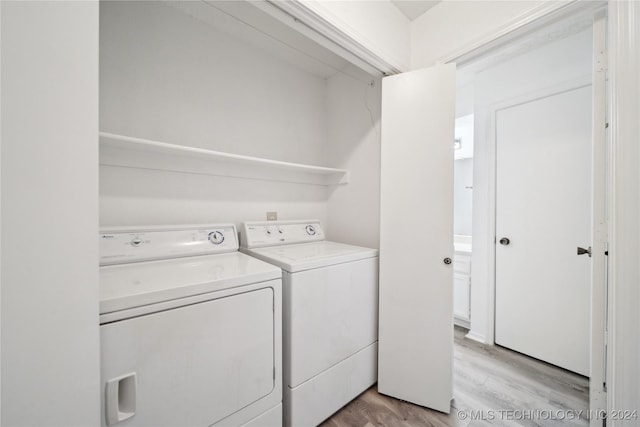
<point x="272" y="216"/>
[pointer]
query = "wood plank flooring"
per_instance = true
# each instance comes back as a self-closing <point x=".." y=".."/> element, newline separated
<point x="493" y="386"/>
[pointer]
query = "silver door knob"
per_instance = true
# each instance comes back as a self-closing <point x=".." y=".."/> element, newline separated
<point x="505" y="241"/>
<point x="582" y="251"/>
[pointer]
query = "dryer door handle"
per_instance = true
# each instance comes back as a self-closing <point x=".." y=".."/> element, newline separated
<point x="120" y="399"/>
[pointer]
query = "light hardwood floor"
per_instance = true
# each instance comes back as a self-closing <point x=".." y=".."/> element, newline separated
<point x="502" y="387"/>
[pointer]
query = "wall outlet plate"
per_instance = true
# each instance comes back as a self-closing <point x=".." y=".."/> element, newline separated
<point x="272" y="216"/>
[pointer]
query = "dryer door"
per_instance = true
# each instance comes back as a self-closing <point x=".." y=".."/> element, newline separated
<point x="192" y="365"/>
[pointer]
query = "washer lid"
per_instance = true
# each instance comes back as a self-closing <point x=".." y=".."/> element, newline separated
<point x="133" y="285"/>
<point x="306" y="256"/>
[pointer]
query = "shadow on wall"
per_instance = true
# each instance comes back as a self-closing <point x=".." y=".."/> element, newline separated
<point x="353" y="211"/>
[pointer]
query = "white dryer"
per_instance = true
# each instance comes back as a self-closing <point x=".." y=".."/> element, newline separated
<point x="190" y="329"/>
<point x="330" y="315"/>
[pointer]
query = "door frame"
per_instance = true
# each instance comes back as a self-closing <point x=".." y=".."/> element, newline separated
<point x="600" y="353"/>
<point x="537" y="18"/>
<point x="624" y="208"/>
<point x="599" y="221"/>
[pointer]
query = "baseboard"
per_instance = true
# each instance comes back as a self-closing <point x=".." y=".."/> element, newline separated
<point x="461" y="322"/>
<point x="476" y="337"/>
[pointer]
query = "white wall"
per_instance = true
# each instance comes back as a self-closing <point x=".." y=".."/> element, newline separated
<point x="452" y="25"/>
<point x="525" y="76"/>
<point x="50" y="338"/>
<point x="354" y="144"/>
<point x="462" y="196"/>
<point x="169" y="77"/>
<point x="377" y="25"/>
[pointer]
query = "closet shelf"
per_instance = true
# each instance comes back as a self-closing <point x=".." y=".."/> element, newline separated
<point x="126" y="151"/>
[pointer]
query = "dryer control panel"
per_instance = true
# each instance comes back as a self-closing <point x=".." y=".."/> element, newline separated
<point x="274" y="233"/>
<point x="135" y="244"/>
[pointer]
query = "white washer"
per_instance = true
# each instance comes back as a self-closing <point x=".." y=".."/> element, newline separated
<point x="190" y="329"/>
<point x="330" y="315"/>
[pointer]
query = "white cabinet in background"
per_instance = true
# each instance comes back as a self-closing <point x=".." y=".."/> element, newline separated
<point x="462" y="289"/>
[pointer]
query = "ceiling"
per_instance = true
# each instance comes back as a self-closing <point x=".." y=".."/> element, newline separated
<point x="414" y="8"/>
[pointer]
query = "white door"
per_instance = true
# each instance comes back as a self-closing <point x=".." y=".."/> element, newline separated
<point x="416" y="237"/>
<point x="544" y="210"/>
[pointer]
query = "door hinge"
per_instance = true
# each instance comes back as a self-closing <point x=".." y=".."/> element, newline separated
<point x="602" y="62"/>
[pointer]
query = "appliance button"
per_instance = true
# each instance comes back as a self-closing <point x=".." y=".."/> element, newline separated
<point x="311" y="230"/>
<point x="136" y="241"/>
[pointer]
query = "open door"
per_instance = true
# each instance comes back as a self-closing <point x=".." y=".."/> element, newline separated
<point x="416" y="237"/>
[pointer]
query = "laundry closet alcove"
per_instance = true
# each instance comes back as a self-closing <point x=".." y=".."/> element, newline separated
<point x="223" y="111"/>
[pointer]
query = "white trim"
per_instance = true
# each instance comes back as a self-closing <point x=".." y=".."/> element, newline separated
<point x="345" y="37"/>
<point x="491" y="167"/>
<point x="623" y="374"/>
<point x="459" y="321"/>
<point x="0" y="220"/>
<point x="597" y="394"/>
<point x="477" y="337"/>
<point x="277" y="10"/>
<point x="538" y="16"/>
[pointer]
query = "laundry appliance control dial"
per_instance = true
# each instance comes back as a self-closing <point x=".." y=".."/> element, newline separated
<point x="216" y="237"/>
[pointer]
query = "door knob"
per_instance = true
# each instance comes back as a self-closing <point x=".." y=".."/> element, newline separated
<point x="505" y="241"/>
<point x="447" y="261"/>
<point x="582" y="251"/>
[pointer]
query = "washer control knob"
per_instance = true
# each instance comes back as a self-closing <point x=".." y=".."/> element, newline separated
<point x="311" y="230"/>
<point x="216" y="237"/>
<point x="136" y="241"/>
